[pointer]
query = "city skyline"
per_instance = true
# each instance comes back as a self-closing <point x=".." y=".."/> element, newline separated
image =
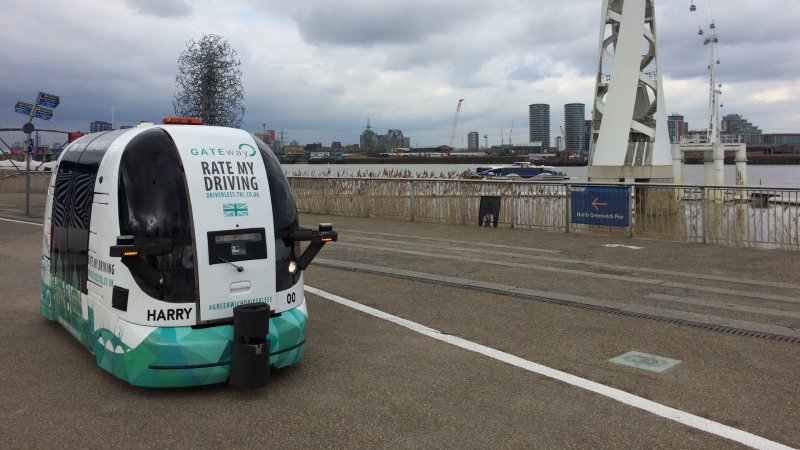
<point x="318" y="70"/>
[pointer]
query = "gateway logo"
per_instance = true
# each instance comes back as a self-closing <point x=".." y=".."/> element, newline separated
<point x="248" y="149"/>
<point x="243" y="151"/>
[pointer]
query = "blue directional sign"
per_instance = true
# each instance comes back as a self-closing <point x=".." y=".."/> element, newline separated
<point x="23" y="108"/>
<point x="601" y="205"/>
<point x="43" y="113"/>
<point x="48" y="100"/>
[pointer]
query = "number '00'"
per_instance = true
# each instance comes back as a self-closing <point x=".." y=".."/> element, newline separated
<point x="291" y="297"/>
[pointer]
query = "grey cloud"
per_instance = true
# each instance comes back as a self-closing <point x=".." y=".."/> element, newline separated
<point x="368" y="23"/>
<point x="161" y="8"/>
<point x="491" y="53"/>
<point x="531" y="68"/>
<point x="749" y="49"/>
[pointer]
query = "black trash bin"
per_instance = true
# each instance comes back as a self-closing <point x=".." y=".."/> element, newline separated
<point x="489" y="211"/>
<point x="250" y="348"/>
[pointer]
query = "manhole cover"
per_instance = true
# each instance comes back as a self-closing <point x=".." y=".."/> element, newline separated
<point x="645" y="361"/>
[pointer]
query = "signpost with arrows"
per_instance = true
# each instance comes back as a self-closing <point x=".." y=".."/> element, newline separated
<point x="23" y="108"/>
<point x="41" y="109"/>
<point x="601" y="205"/>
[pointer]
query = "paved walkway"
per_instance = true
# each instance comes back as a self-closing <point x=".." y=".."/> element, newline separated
<point x="408" y="326"/>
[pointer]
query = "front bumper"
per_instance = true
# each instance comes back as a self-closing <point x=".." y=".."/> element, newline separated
<point x="186" y="356"/>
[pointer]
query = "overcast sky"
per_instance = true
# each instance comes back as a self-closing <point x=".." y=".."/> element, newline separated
<point x="318" y="69"/>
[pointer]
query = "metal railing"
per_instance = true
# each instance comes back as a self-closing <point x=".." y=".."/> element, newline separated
<point x="737" y="216"/>
<point x="13" y="197"/>
<point x="14" y="182"/>
<point x="526" y="205"/>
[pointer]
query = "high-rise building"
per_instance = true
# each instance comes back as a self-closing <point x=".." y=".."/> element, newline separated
<point x="99" y="125"/>
<point x="736" y="126"/>
<point x="677" y="127"/>
<point x="368" y="138"/>
<point x="473" y="140"/>
<point x="539" y="123"/>
<point x="372" y="141"/>
<point x="574" y="123"/>
<point x="391" y="140"/>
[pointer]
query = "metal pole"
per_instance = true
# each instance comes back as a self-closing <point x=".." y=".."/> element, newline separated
<point x="462" y="203"/>
<point x="631" y="209"/>
<point x="703" y="213"/>
<point x="328" y="196"/>
<point x="27" y="175"/>
<point x="28" y="155"/>
<point x="567" y="206"/>
<point x="512" y="206"/>
<point x="367" y="198"/>
<point x="412" y="199"/>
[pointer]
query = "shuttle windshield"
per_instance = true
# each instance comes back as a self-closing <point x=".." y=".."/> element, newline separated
<point x="153" y="206"/>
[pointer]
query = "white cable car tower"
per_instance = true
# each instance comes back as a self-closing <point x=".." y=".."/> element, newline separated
<point x="630" y="139"/>
<point x="713" y="132"/>
<point x="713" y="146"/>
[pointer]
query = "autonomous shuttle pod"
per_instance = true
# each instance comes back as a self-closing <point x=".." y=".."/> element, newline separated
<point x="172" y="252"/>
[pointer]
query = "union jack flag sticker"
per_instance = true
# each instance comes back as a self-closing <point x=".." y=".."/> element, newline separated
<point x="234" y="209"/>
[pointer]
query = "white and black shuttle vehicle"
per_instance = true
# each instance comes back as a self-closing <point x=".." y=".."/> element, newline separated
<point x="173" y="253"/>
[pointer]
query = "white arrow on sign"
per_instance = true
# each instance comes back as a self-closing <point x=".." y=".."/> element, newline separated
<point x="596" y="202"/>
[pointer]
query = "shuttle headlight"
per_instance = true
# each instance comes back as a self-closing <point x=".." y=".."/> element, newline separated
<point x="292" y="267"/>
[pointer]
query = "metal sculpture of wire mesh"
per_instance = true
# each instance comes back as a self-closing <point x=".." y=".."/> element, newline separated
<point x="209" y="82"/>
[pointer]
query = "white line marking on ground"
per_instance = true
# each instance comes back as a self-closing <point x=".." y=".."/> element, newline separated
<point x="632" y="247"/>
<point x="20" y="221"/>
<point x="658" y="409"/>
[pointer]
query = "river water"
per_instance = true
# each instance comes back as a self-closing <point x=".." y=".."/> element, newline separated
<point x="778" y="176"/>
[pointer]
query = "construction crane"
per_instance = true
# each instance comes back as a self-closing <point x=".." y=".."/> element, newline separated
<point x="455" y="123"/>
<point x="510" y="133"/>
